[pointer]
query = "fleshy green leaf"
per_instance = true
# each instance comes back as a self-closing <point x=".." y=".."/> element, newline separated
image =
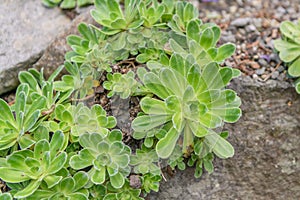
<point x="166" y="145"/>
<point x="219" y="145"/>
<point x="28" y="190"/>
<point x="12" y="175"/>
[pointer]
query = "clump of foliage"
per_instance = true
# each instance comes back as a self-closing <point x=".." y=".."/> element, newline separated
<point x="289" y="49"/>
<point x="67" y="4"/>
<point x="55" y="145"/>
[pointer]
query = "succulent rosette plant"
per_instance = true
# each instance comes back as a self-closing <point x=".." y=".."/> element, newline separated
<point x="289" y="48"/>
<point x="59" y="138"/>
<point x="108" y="156"/>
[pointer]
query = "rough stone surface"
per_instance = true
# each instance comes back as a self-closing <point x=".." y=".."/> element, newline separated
<point x="266" y="165"/>
<point x="27" y="28"/>
<point x="241" y="22"/>
<point x="55" y="53"/>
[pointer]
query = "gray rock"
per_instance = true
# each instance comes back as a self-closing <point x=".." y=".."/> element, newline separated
<point x="275" y="75"/>
<point x="266" y="164"/>
<point x="54" y="55"/>
<point x="274" y="57"/>
<point x="27" y="28"/>
<point x="282" y="77"/>
<point x="257" y="22"/>
<point x="260" y="71"/>
<point x="263" y="62"/>
<point x="241" y="22"/>
<point x="281" y="10"/>
<point x="281" y="68"/>
<point x="228" y="37"/>
<point x="250" y="28"/>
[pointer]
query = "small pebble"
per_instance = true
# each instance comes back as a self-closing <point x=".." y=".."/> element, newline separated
<point x="291" y="10"/>
<point x="262" y="62"/>
<point x="254" y="76"/>
<point x="254" y="65"/>
<point x="281" y="10"/>
<point x="260" y="71"/>
<point x="228" y="37"/>
<point x="250" y="28"/>
<point x="257" y="22"/>
<point x="233" y="9"/>
<point x="281" y="77"/>
<point x="274" y="57"/>
<point x="255" y="57"/>
<point x="242" y="31"/>
<point x="275" y="75"/>
<point x="281" y="68"/>
<point x="264" y="76"/>
<point x="241" y="22"/>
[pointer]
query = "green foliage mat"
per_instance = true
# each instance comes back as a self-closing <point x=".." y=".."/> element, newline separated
<point x="55" y="145"/>
<point x="289" y="49"/>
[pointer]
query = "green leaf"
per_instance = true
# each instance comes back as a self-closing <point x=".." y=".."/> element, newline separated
<point x="58" y="163"/>
<point x="297" y="85"/>
<point x="55" y="73"/>
<point x="190" y="12"/>
<point x="290" y="30"/>
<point x="31" y="120"/>
<point x="207" y="39"/>
<point x="208" y="166"/>
<point x="212" y="77"/>
<point x="6" y="113"/>
<point x="26" y="77"/>
<point x="226" y="75"/>
<point x="172" y="81"/>
<point x="25" y="142"/>
<point x="217" y="34"/>
<point x="28" y="190"/>
<point x="98" y="176"/>
<point x="198" y="129"/>
<point x="166" y="145"/>
<point x="178" y="121"/>
<point x="219" y="145"/>
<point x="154" y="84"/>
<point x="40" y="148"/>
<point x="148" y="122"/>
<point x="12" y="175"/>
<point x="176" y="47"/>
<point x="52" y="180"/>
<point x="117" y="181"/>
<point x="17" y="160"/>
<point x="288" y="51"/>
<point x="6" y="196"/>
<point x="81" y="178"/>
<point x="177" y="63"/>
<point x="225" y="51"/>
<point x="84" y="159"/>
<point x="193" y="30"/>
<point x="154" y="106"/>
<point x="56" y="144"/>
<point x="67" y="4"/>
<point x="67" y="185"/>
<point x="294" y="68"/>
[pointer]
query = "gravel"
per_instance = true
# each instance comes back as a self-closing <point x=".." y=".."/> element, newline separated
<point x="240" y="22"/>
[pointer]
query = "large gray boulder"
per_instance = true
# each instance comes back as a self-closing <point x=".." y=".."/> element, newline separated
<point x="27" y="28"/>
<point x="266" y="164"/>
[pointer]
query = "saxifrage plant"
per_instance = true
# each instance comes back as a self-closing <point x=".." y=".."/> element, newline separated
<point x="35" y="166"/>
<point x="289" y="48"/>
<point x="158" y="53"/>
<point x="67" y="4"/>
<point x="194" y="102"/>
<point x="108" y="156"/>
